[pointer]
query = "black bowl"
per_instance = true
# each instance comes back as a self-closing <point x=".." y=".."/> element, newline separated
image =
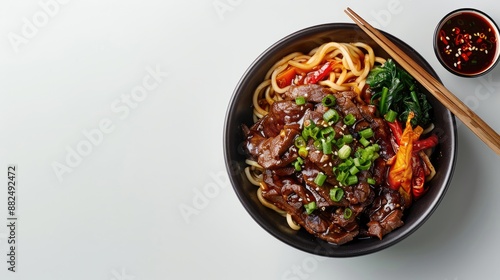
<point x="240" y="112"/>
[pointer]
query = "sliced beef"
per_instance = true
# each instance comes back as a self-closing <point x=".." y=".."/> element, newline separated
<point x="346" y="105"/>
<point x="280" y="114"/>
<point x="386" y="213"/>
<point x="311" y="92"/>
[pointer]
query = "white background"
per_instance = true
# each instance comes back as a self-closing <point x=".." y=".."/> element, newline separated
<point x="74" y="68"/>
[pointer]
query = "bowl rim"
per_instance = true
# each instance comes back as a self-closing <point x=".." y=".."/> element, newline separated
<point x="438" y="53"/>
<point x="320" y="249"/>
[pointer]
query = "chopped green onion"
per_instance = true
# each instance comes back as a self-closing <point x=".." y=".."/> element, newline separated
<point x="347" y="213"/>
<point x="314" y="132"/>
<point x="344" y="152"/>
<point x="351" y="180"/>
<point x="300" y="100"/>
<point x="309" y="124"/>
<point x="303" y="152"/>
<point x="326" y="131"/>
<point x="336" y="194"/>
<point x="327" y="147"/>
<point x="347" y="138"/>
<point x="330" y="138"/>
<point x="364" y="142"/>
<point x="328" y="100"/>
<point x="306" y="133"/>
<point x="331" y="115"/>
<point x="366" y="133"/>
<point x="297" y="165"/>
<point x="354" y="170"/>
<point x="300" y="160"/>
<point x="317" y="144"/>
<point x="320" y="179"/>
<point x="365" y="166"/>
<point x="350" y="119"/>
<point x="300" y="142"/>
<point x="310" y="207"/>
<point x="371" y="181"/>
<point x="366" y="154"/>
<point x="391" y="116"/>
<point x="342" y="176"/>
<point x="345" y="165"/>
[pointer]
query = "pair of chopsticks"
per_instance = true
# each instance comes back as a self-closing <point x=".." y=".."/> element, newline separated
<point x="450" y="101"/>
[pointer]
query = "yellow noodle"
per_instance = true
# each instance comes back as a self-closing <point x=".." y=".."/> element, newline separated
<point x="251" y="177"/>
<point x="256" y="97"/>
<point x="291" y="223"/>
<point x="333" y="86"/>
<point x="267" y="204"/>
<point x="254" y="164"/>
<point x="282" y="61"/>
<point x="268" y="96"/>
<point x="369" y="49"/>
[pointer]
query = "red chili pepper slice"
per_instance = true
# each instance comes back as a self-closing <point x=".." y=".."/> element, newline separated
<point x="418" y="176"/>
<point x="465" y="57"/>
<point x="396" y="129"/>
<point x="458" y="39"/>
<point x="442" y="37"/>
<point x="426" y="143"/>
<point x="317" y="75"/>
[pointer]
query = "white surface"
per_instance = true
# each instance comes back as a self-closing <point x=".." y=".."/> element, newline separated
<point x="117" y="215"/>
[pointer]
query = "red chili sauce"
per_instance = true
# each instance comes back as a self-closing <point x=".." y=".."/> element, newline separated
<point x="467" y="43"/>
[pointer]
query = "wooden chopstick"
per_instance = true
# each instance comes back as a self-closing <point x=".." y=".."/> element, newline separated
<point x="450" y="101"/>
